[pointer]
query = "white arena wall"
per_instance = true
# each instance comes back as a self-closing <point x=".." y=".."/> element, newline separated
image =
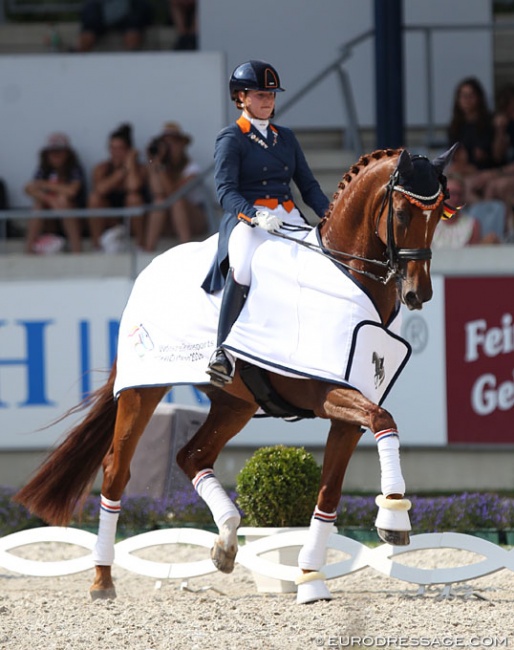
<point x="454" y="403"/>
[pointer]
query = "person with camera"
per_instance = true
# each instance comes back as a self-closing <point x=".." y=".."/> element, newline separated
<point x="119" y="181"/>
<point x="170" y="168"/>
<point x="255" y="162"/>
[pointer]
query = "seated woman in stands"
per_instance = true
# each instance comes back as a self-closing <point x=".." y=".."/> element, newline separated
<point x="58" y="184"/>
<point x="119" y="181"/>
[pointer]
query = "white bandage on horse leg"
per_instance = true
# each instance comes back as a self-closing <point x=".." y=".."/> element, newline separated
<point x="103" y="552"/>
<point x="388" y="443"/>
<point x="312" y="555"/>
<point x="211" y="491"/>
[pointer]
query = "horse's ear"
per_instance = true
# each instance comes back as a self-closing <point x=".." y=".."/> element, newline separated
<point x="442" y="161"/>
<point x="404" y="165"/>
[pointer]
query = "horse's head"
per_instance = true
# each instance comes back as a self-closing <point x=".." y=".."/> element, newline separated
<point x="382" y="219"/>
<point x="411" y="206"/>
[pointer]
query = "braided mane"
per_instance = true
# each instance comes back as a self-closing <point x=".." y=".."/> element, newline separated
<point x="363" y="161"/>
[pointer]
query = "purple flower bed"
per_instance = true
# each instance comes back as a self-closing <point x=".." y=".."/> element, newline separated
<point x="459" y="513"/>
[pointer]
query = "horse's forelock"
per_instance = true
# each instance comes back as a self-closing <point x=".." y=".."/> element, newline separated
<point x="364" y="161"/>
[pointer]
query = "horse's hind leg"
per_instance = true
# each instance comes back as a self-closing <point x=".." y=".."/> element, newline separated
<point x="135" y="408"/>
<point x="227" y="416"/>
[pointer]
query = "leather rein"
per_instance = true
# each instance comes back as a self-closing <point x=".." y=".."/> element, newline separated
<point x="392" y="266"/>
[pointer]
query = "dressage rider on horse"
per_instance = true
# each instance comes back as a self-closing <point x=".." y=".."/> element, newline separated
<point x="255" y="162"/>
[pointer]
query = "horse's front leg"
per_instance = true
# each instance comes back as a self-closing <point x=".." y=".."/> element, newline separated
<point x="227" y="416"/>
<point x="341" y="443"/>
<point x="393" y="524"/>
<point x="135" y="408"/>
<point x="349" y="411"/>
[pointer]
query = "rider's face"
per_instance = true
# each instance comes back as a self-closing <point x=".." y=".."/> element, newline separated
<point x="259" y="103"/>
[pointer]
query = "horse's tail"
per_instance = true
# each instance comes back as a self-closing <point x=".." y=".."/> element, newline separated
<point x="62" y="483"/>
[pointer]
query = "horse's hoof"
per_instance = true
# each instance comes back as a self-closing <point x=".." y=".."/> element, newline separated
<point x="103" y="594"/>
<point x="223" y="559"/>
<point x="394" y="537"/>
<point x="312" y="592"/>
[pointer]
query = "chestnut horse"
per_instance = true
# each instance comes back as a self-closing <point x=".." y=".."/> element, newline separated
<point x="378" y="229"/>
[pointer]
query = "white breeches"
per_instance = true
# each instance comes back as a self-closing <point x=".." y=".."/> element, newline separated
<point x="244" y="241"/>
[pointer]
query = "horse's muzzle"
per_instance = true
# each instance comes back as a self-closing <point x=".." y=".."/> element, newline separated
<point x="412" y="300"/>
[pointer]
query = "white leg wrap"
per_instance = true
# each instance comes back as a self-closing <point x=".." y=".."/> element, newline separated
<point x="211" y="491"/>
<point x="312" y="555"/>
<point x="388" y="444"/>
<point x="103" y="553"/>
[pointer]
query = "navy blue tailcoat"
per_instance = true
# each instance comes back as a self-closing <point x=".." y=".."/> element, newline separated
<point x="249" y="167"/>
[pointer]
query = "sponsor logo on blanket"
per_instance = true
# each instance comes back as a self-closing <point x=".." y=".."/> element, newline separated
<point x="141" y="340"/>
<point x="379" y="376"/>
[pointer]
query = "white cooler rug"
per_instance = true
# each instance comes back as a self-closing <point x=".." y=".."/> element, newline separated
<point x="304" y="317"/>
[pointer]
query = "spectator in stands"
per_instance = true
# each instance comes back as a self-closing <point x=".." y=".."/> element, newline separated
<point x="183" y="16"/>
<point x="131" y="17"/>
<point x="472" y="125"/>
<point x="480" y="223"/>
<point x="119" y="181"/>
<point x="170" y="168"/>
<point x="498" y="183"/>
<point x="58" y="184"/>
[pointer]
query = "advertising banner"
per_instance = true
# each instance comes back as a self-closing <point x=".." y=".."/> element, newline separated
<point x="57" y="343"/>
<point x="58" y="340"/>
<point x="480" y="359"/>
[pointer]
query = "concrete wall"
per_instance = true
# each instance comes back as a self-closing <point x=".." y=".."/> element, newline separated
<point x="301" y="40"/>
<point x="425" y="469"/>
<point x="426" y="466"/>
<point x="89" y="96"/>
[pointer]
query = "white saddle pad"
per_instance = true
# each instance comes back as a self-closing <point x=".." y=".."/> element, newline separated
<point x="304" y="317"/>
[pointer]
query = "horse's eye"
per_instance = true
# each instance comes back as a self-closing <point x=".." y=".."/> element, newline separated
<point x="403" y="216"/>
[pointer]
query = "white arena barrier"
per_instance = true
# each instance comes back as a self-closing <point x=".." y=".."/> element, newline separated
<point x="380" y="558"/>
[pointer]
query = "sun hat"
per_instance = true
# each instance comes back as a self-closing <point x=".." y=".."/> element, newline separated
<point x="57" y="141"/>
<point x="173" y="129"/>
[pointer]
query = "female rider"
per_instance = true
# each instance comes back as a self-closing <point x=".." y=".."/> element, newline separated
<point x="255" y="162"/>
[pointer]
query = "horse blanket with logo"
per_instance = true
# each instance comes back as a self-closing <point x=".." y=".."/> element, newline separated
<point x="304" y="317"/>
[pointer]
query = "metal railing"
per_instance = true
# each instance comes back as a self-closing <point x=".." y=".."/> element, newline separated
<point x="21" y="7"/>
<point x="126" y="213"/>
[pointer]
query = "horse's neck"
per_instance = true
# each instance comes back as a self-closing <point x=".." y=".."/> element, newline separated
<point x="351" y="229"/>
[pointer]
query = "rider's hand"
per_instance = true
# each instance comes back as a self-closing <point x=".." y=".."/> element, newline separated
<point x="266" y="221"/>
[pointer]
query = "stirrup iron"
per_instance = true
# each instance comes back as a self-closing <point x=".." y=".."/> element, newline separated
<point x="222" y="367"/>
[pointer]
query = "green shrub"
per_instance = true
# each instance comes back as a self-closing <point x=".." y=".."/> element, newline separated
<point x="278" y="486"/>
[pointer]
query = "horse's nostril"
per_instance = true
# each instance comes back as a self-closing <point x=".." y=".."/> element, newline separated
<point x="412" y="301"/>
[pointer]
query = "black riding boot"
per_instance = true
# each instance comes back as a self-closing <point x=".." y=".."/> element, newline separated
<point x="221" y="366"/>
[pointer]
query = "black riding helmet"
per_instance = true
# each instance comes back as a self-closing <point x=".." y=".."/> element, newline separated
<point x="254" y="75"/>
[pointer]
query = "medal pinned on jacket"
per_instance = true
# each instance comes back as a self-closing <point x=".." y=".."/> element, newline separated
<point x="246" y="126"/>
